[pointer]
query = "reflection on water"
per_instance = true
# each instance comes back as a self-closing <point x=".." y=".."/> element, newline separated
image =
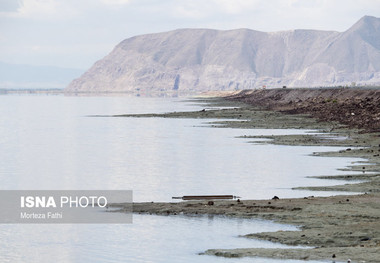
<point x="48" y="142"/>
<point x="149" y="239"/>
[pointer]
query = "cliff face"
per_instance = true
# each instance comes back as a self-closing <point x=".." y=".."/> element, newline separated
<point x="205" y="59"/>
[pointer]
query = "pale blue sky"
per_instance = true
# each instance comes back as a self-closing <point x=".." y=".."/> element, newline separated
<point x="76" y="33"/>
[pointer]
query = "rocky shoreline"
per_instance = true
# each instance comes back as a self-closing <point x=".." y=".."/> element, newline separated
<point x="337" y="227"/>
<point x="354" y="107"/>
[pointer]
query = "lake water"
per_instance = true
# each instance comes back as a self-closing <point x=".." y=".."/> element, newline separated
<point x="50" y="142"/>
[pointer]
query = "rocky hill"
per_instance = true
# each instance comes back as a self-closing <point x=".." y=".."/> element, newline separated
<point x="206" y="59"/>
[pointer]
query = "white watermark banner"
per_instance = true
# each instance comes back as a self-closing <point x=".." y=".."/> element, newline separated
<point x="65" y="206"/>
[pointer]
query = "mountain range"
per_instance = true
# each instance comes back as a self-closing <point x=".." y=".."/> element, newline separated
<point x="207" y="59"/>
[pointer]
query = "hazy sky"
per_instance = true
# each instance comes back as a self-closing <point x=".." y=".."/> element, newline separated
<point x="76" y="33"/>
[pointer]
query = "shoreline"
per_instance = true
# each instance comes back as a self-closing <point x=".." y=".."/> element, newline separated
<point x="346" y="226"/>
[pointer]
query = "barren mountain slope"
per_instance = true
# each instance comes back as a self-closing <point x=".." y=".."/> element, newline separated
<point x="205" y="59"/>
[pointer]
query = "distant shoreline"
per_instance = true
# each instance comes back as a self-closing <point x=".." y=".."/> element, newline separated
<point x="31" y="91"/>
<point x="237" y="94"/>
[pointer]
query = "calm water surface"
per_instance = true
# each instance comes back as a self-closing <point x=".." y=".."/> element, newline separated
<point x="49" y="142"/>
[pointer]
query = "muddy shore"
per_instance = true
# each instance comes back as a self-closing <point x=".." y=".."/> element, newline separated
<point x="337" y="227"/>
